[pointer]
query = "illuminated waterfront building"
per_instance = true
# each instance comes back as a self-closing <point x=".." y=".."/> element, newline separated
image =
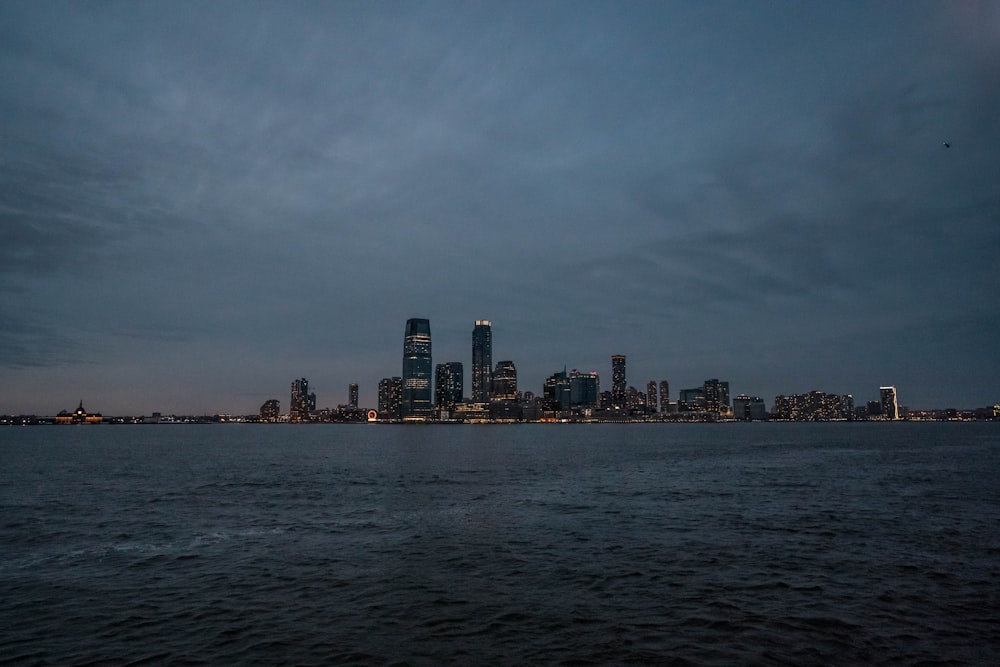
<point x="448" y="385"/>
<point x="505" y="381"/>
<point x="390" y="398"/>
<point x="482" y="360"/>
<point x="716" y="396"/>
<point x="416" y="402"/>
<point x="298" y="407"/>
<point x="618" y="381"/>
<point x="352" y="395"/>
<point x="890" y="408"/>
<point x="749" y="408"/>
<point x="651" y="397"/>
<point x="271" y="410"/>
<point x="664" y="395"/>
<point x="584" y="390"/>
<point x="79" y="416"/>
<point x="556" y="393"/>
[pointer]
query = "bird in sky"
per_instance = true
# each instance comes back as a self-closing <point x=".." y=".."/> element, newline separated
<point x="947" y="145"/>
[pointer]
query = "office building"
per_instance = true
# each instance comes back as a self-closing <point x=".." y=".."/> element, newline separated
<point x="390" y="399"/>
<point x="505" y="381"/>
<point x="664" y="395"/>
<point x="482" y="361"/>
<point x="584" y="390"/>
<point x="417" y="404"/>
<point x="556" y="393"/>
<point x="749" y="408"/>
<point x="298" y="410"/>
<point x="888" y="404"/>
<point x="448" y="386"/>
<point x="270" y="411"/>
<point x="717" y="396"/>
<point x="651" y="397"/>
<point x="618" y="381"/>
<point x="352" y="395"/>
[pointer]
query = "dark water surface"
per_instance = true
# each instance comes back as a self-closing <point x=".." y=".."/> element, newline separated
<point x="525" y="544"/>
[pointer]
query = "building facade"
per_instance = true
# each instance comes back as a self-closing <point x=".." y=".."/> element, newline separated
<point x="505" y="381"/>
<point x="889" y="405"/>
<point x="417" y="379"/>
<point x="584" y="390"/>
<point x="352" y="395"/>
<point x="390" y="399"/>
<point x="298" y="407"/>
<point x="448" y="386"/>
<point x="482" y="360"/>
<point x="619" y="383"/>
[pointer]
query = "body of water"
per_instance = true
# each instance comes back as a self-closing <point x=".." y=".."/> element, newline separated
<point x="522" y="544"/>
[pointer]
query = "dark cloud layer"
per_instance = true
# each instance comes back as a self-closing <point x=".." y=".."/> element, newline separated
<point x="200" y="202"/>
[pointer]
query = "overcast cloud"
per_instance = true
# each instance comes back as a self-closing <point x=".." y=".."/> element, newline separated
<point x="200" y="202"/>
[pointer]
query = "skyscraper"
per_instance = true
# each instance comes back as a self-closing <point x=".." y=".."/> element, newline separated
<point x="584" y="390"/>
<point x="482" y="361"/>
<point x="716" y="396"/>
<point x="505" y="381"/>
<point x="390" y="398"/>
<point x="664" y="395"/>
<point x="890" y="408"/>
<point x="352" y="395"/>
<point x="417" y="369"/>
<point x="618" y="382"/>
<point x="298" y="409"/>
<point x="651" y="396"/>
<point x="448" y="385"/>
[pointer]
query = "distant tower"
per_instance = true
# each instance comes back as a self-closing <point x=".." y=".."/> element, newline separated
<point x="417" y="369"/>
<point x="448" y="385"/>
<point x="352" y="395"/>
<point x="390" y="398"/>
<point x="482" y="361"/>
<point x="270" y="410"/>
<point x="651" y="396"/>
<point x="890" y="409"/>
<point x="618" y="382"/>
<point x="505" y="381"/>
<point x="664" y="395"/>
<point x="298" y="409"/>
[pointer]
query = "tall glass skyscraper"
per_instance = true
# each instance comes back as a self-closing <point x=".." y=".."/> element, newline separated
<point x="417" y="369"/>
<point x="890" y="408"/>
<point x="448" y="385"/>
<point x="482" y="361"/>
<point x="618" y="382"/>
<point x="505" y="381"/>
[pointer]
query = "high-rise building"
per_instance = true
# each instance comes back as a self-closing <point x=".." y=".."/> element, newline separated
<point x="749" y="408"/>
<point x="664" y="395"/>
<point x="584" y="390"/>
<point x="716" y="396"/>
<point x="556" y="393"/>
<point x="352" y="395"/>
<point x="390" y="398"/>
<point x="482" y="361"/>
<point x="271" y="410"/>
<point x="505" y="381"/>
<point x="890" y="408"/>
<point x="448" y="385"/>
<point x="417" y="369"/>
<point x="618" y="381"/>
<point x="298" y="408"/>
<point x="651" y="397"/>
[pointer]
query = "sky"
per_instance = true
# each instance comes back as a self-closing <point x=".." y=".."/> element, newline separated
<point x="200" y="202"/>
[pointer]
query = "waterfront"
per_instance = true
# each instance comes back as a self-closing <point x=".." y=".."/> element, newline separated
<point x="591" y="544"/>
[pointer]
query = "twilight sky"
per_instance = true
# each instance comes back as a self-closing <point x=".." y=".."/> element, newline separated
<point x="200" y="202"/>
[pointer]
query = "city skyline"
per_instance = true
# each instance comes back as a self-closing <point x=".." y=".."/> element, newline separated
<point x="201" y="203"/>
